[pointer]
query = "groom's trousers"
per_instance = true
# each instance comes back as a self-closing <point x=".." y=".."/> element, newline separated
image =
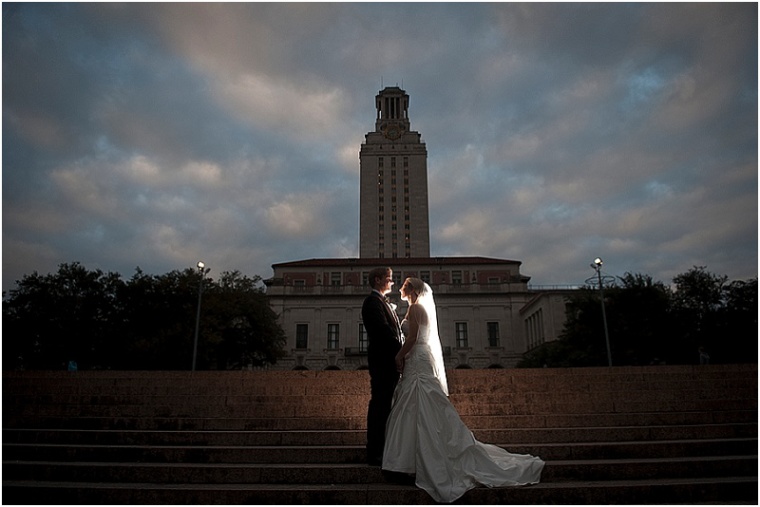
<point x="382" y="386"/>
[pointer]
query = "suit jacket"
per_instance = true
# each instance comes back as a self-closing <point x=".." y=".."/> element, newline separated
<point x="383" y="333"/>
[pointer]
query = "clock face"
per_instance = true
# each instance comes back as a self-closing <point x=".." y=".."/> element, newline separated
<point x="392" y="131"/>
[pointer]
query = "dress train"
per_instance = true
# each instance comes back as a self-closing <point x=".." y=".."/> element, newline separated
<point x="425" y="436"/>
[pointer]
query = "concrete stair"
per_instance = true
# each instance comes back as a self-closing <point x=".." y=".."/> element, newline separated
<point x="625" y="435"/>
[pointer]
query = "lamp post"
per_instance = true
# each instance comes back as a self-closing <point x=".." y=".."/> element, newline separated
<point x="202" y="271"/>
<point x="597" y="265"/>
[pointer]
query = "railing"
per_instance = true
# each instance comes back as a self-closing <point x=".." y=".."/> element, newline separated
<point x="316" y="290"/>
<point x="542" y="288"/>
<point x="353" y="290"/>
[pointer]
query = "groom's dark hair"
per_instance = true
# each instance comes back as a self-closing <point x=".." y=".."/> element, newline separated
<point x="376" y="273"/>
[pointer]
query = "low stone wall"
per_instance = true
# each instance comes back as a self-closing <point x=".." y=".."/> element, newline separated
<point x="335" y="394"/>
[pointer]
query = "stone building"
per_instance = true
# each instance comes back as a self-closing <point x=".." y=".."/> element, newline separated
<point x="487" y="315"/>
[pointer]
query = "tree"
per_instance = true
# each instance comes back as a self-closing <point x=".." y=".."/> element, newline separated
<point x="739" y="318"/>
<point x="715" y="315"/>
<point x="640" y="325"/>
<point x="240" y="327"/>
<point x="637" y="319"/>
<point x="158" y="320"/>
<point x="650" y="324"/>
<point x="52" y="319"/>
<point x="148" y="322"/>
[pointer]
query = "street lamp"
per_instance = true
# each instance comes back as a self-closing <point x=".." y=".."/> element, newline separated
<point x="202" y="271"/>
<point x="597" y="265"/>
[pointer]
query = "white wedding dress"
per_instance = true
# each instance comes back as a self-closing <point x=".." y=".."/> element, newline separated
<point x="426" y="437"/>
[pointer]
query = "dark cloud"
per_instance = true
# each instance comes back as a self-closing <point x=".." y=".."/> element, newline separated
<point x="153" y="135"/>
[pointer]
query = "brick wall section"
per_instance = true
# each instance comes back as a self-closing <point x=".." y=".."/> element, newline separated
<point x="338" y="399"/>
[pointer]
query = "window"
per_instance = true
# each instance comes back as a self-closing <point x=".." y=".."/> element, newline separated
<point x="493" y="280"/>
<point x="333" y="336"/>
<point x="365" y="278"/>
<point x="493" y="334"/>
<point x="335" y="278"/>
<point x="397" y="280"/>
<point x="456" y="277"/>
<point x="461" y="334"/>
<point x="424" y="275"/>
<point x="302" y="336"/>
<point x="299" y="282"/>
<point x="363" y="340"/>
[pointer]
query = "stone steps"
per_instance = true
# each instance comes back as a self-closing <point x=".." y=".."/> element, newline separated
<point x="355" y="453"/>
<point x="357" y="437"/>
<point x="349" y="473"/>
<point x="608" y="435"/>
<point x="647" y="491"/>
<point x="358" y="422"/>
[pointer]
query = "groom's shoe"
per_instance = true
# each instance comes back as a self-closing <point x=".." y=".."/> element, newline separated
<point x="374" y="461"/>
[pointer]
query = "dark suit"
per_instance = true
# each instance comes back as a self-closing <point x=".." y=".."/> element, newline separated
<point x="384" y="337"/>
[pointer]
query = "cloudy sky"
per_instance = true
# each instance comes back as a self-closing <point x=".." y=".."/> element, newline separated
<point x="155" y="135"/>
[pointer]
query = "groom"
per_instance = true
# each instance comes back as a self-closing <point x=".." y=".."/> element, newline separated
<point x="384" y="334"/>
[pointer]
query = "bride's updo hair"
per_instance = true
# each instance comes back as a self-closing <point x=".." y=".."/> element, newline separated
<point x="420" y="287"/>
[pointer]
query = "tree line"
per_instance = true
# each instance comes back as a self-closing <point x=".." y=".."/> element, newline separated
<point x="702" y="318"/>
<point x="100" y="321"/>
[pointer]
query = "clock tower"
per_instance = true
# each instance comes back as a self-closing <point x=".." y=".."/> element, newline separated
<point x="393" y="198"/>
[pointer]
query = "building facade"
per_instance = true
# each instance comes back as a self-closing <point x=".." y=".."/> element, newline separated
<point x="480" y="305"/>
<point x="544" y="316"/>
<point x="487" y="315"/>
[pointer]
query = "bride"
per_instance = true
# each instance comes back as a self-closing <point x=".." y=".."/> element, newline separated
<point x="424" y="434"/>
